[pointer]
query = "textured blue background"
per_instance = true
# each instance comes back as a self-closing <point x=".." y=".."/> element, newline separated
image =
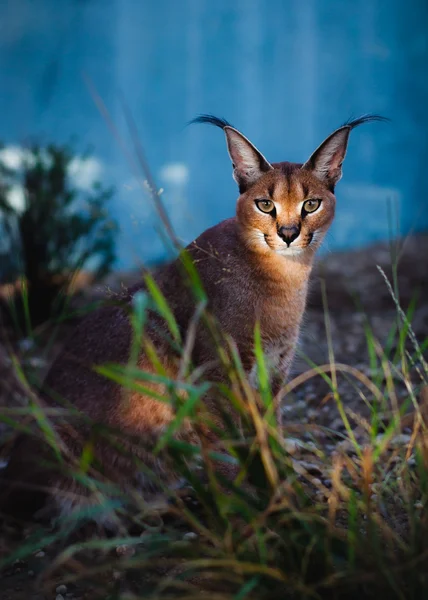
<point x="285" y="72"/>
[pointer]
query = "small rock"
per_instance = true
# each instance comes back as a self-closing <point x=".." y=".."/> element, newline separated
<point x="292" y="445"/>
<point x="301" y="404"/>
<point x="311" y="446"/>
<point x="125" y="550"/>
<point x="337" y="424"/>
<point x="59" y="597"/>
<point x="310" y="468"/>
<point x="191" y="535"/>
<point x="26" y="344"/>
<point x="401" y="439"/>
<point x="40" y="554"/>
<point x="360" y="433"/>
<point x="61" y="589"/>
<point x="37" y="362"/>
<point x="346" y="446"/>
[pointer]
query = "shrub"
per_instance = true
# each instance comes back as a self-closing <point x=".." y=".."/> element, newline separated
<point x="50" y="227"/>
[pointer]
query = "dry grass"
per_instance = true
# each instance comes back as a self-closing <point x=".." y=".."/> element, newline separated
<point x="300" y="520"/>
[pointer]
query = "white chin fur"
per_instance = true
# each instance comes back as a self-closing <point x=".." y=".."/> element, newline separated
<point x="289" y="251"/>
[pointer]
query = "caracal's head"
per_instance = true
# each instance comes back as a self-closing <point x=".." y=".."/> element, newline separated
<point x="286" y="208"/>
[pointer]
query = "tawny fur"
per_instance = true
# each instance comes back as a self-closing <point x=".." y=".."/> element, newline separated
<point x="249" y="274"/>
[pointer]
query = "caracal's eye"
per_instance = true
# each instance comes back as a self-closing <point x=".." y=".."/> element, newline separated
<point x="266" y="206"/>
<point x="311" y="205"/>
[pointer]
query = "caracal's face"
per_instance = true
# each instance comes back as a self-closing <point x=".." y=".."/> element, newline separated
<point x="287" y="211"/>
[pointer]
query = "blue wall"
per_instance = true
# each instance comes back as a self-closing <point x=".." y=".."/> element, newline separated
<point x="285" y="72"/>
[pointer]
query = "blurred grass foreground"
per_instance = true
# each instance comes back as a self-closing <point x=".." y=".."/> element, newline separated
<point x="331" y="505"/>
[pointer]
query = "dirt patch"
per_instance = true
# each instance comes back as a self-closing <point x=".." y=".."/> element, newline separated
<point x="358" y="296"/>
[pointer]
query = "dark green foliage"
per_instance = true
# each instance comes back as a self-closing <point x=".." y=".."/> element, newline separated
<point x="59" y="230"/>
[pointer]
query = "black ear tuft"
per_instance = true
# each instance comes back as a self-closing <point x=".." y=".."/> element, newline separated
<point x="211" y="120"/>
<point x="351" y="123"/>
<point x="249" y="164"/>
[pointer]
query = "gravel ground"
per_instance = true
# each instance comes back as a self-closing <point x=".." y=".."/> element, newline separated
<point x="356" y="293"/>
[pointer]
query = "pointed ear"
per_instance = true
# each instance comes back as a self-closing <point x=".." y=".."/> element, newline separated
<point x="248" y="163"/>
<point x="326" y="162"/>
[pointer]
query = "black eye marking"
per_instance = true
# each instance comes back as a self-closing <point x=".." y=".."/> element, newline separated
<point x="266" y="206"/>
<point x="311" y="205"/>
<point x="271" y="190"/>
